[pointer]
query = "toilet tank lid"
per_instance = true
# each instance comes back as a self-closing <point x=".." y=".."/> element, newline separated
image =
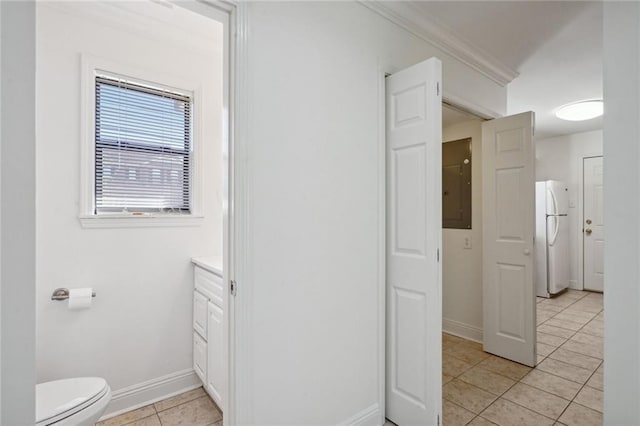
<point x="56" y="397"/>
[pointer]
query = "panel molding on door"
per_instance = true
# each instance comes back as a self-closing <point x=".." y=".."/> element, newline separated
<point x="593" y="232"/>
<point x="414" y="220"/>
<point x="508" y="231"/>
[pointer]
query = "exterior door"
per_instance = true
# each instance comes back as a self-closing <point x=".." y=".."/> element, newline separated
<point x="593" y="225"/>
<point x="414" y="220"/>
<point x="508" y="208"/>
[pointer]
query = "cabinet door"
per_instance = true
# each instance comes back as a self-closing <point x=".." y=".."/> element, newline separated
<point x="200" y="357"/>
<point x="200" y="313"/>
<point x="216" y="379"/>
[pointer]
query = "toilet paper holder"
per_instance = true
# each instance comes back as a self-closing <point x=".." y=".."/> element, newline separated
<point x="63" y="294"/>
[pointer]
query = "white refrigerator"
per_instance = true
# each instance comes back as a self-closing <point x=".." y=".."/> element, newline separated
<point x="552" y="238"/>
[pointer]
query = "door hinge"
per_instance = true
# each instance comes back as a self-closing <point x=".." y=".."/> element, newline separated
<point x="438" y="89"/>
<point x="438" y="422"/>
<point x="233" y="287"/>
<point x="438" y="255"/>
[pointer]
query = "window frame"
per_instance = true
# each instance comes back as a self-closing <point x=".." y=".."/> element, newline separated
<point x="93" y="67"/>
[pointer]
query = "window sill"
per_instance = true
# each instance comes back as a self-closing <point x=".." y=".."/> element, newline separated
<point x="146" y="221"/>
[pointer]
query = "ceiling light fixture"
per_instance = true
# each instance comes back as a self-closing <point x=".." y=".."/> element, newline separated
<point x="580" y="111"/>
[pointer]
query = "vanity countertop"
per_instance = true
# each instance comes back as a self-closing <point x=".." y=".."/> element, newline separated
<point x="210" y="263"/>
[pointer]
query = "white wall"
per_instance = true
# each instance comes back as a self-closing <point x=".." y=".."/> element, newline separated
<point x="622" y="213"/>
<point x="139" y="327"/>
<point x="462" y="268"/>
<point x="17" y="225"/>
<point x="560" y="158"/>
<point x="313" y="256"/>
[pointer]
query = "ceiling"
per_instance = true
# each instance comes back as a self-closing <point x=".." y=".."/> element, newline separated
<point x="555" y="46"/>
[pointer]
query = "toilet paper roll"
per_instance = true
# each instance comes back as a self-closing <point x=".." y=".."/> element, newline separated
<point x="80" y="298"/>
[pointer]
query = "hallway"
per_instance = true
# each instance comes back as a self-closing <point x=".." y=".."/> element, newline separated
<point x="566" y="387"/>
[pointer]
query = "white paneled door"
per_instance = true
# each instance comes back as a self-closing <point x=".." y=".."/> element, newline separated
<point x="508" y="208"/>
<point x="593" y="225"/>
<point x="414" y="220"/>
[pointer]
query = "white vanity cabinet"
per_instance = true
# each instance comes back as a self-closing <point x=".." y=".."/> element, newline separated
<point x="215" y="372"/>
<point x="209" y="328"/>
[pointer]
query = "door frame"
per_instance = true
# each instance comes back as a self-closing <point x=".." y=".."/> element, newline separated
<point x="233" y="16"/>
<point x="17" y="205"/>
<point x="580" y="283"/>
<point x="234" y="138"/>
<point x="450" y="99"/>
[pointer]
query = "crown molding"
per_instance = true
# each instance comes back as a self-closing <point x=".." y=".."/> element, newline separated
<point x="409" y="17"/>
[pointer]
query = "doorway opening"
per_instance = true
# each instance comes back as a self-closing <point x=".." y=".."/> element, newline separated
<point x="139" y="249"/>
<point x="523" y="349"/>
<point x="568" y="371"/>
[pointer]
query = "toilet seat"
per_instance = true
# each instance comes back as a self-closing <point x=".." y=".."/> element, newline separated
<point x="60" y="399"/>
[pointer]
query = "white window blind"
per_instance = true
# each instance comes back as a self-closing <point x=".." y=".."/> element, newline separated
<point x="142" y="148"/>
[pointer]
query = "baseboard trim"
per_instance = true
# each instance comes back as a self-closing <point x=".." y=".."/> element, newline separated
<point x="573" y="284"/>
<point x="461" y="329"/>
<point x="370" y="416"/>
<point x="145" y="393"/>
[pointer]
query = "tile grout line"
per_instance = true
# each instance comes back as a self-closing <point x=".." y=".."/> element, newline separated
<point x="582" y="385"/>
<point x="205" y="395"/>
<point x="470" y="384"/>
<point x="156" y="412"/>
<point x="572" y="401"/>
<point x="498" y="396"/>
<point x="589" y="378"/>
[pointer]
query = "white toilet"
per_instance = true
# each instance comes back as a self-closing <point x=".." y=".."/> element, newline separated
<point x="79" y="401"/>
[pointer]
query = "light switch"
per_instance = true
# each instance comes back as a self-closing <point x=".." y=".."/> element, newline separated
<point x="467" y="242"/>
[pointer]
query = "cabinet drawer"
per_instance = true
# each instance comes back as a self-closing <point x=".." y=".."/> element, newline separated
<point x="210" y="285"/>
<point x="200" y="313"/>
<point x="200" y="357"/>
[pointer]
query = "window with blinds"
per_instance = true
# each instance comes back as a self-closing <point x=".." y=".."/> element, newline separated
<point x="142" y="148"/>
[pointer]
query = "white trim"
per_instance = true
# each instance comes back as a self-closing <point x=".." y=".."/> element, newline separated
<point x="145" y="221"/>
<point x="92" y="66"/>
<point x="573" y="284"/>
<point x="470" y="107"/>
<point x="382" y="243"/>
<point x="409" y="17"/>
<point x="241" y="401"/>
<point x="460" y="329"/>
<point x="579" y="285"/>
<point x="370" y="416"/>
<point x="145" y="393"/>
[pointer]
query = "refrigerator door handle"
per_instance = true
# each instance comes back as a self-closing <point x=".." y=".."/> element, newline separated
<point x="556" y="220"/>
<point x="555" y="232"/>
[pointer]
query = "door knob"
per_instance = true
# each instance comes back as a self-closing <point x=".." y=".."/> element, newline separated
<point x="588" y="231"/>
<point x="526" y="252"/>
<point x="588" y="221"/>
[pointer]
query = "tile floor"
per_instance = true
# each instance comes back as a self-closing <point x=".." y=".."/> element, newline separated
<point x="565" y="388"/>
<point x="193" y="408"/>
